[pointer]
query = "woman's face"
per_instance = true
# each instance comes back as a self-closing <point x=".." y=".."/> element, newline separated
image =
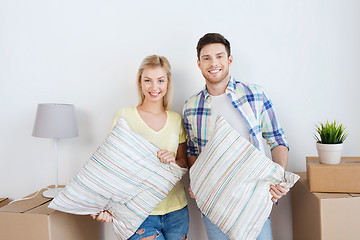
<point x="154" y="84"/>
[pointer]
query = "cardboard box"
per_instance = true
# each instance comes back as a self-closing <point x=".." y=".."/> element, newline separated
<point x="3" y="201"/>
<point x="324" y="216"/>
<point x="33" y="220"/>
<point x="343" y="177"/>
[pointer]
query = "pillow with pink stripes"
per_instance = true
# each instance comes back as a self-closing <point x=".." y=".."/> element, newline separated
<point x="123" y="176"/>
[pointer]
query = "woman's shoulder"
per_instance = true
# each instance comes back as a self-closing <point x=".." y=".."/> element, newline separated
<point x="125" y="111"/>
<point x="174" y="116"/>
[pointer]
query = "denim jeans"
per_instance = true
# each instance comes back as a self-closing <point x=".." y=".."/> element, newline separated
<point x="214" y="233"/>
<point x="170" y="226"/>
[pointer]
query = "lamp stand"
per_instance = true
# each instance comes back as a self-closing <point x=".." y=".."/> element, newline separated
<point x="51" y="193"/>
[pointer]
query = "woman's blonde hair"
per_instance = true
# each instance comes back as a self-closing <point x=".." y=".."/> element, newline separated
<point x="154" y="61"/>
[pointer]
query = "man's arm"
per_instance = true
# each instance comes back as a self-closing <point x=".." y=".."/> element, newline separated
<point x="191" y="161"/>
<point x="275" y="137"/>
<point x="280" y="155"/>
<point x="181" y="159"/>
<point x="192" y="149"/>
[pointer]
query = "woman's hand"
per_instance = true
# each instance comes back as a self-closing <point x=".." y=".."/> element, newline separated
<point x="277" y="192"/>
<point x="165" y="156"/>
<point x="103" y="216"/>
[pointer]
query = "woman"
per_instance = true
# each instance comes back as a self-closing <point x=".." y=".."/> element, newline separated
<point x="153" y="121"/>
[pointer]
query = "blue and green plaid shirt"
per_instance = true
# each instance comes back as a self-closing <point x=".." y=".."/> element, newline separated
<point x="252" y="104"/>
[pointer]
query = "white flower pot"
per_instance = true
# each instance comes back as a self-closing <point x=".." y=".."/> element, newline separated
<point x="329" y="153"/>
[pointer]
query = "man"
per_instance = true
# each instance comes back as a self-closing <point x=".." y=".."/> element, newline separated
<point x="246" y="107"/>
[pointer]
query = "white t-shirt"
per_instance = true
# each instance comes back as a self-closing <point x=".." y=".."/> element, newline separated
<point x="221" y="104"/>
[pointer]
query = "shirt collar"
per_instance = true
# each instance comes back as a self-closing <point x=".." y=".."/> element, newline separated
<point x="231" y="87"/>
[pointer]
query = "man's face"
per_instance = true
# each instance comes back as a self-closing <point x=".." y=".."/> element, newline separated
<point x="214" y="63"/>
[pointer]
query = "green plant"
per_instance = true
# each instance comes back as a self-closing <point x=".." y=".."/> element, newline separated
<point x="330" y="133"/>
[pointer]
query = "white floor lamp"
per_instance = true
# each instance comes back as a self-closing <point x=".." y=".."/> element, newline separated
<point x="55" y="120"/>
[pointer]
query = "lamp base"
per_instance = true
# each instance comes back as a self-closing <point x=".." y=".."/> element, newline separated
<point x="51" y="193"/>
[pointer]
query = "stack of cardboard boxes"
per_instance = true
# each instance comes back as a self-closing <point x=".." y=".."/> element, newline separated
<point x="326" y="201"/>
<point x="32" y="220"/>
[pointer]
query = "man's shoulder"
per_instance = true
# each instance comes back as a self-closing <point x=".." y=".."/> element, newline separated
<point x="194" y="104"/>
<point x="242" y="88"/>
<point x="194" y="98"/>
<point x="248" y="87"/>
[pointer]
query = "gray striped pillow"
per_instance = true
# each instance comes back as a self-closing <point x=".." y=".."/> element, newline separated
<point x="231" y="179"/>
<point x="125" y="177"/>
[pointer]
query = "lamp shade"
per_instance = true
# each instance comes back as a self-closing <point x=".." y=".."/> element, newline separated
<point x="55" y="120"/>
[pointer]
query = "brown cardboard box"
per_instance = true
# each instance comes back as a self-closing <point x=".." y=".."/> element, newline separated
<point x="33" y="220"/>
<point x="324" y="216"/>
<point x="343" y="177"/>
<point x="3" y="201"/>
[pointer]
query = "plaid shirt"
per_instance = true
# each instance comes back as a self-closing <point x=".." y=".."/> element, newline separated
<point x="252" y="104"/>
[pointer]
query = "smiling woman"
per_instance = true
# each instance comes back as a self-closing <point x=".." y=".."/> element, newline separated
<point x="152" y="120"/>
<point x="155" y="69"/>
<point x="154" y="83"/>
<point x="154" y="86"/>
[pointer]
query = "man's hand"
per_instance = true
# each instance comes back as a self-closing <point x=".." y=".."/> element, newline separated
<point x="191" y="193"/>
<point x="103" y="216"/>
<point x="277" y="192"/>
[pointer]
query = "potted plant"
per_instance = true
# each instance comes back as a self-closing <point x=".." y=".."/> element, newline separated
<point x="329" y="141"/>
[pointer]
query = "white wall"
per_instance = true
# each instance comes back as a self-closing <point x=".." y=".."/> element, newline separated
<point x="305" y="54"/>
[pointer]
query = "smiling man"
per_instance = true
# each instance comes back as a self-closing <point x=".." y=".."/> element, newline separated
<point x="245" y="106"/>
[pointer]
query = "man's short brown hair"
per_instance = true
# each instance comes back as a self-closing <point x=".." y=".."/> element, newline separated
<point x="211" y="38"/>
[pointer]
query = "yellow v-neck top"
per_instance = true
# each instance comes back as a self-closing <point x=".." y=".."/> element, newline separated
<point x="169" y="137"/>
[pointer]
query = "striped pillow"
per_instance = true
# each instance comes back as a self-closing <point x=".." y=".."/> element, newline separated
<point x="125" y="177"/>
<point x="231" y="179"/>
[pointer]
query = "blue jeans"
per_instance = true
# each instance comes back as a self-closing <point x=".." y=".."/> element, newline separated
<point x="170" y="226"/>
<point x="214" y="233"/>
